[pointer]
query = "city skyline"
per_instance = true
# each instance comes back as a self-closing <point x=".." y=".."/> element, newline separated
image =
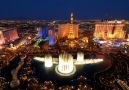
<point x="43" y="47"/>
<point x="57" y="9"/>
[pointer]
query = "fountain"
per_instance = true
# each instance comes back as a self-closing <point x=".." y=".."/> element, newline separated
<point x="65" y="67"/>
<point x="65" y="63"/>
<point x="48" y="60"/>
<point x="80" y="57"/>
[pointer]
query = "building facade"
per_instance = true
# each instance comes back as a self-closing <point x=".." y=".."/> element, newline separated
<point x="8" y="35"/>
<point x="109" y="30"/>
<point x="51" y="37"/>
<point x="42" y="32"/>
<point x="69" y="30"/>
<point x="2" y="41"/>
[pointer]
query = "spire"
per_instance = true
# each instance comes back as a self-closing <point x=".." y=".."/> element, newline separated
<point x="71" y="33"/>
<point x="71" y="18"/>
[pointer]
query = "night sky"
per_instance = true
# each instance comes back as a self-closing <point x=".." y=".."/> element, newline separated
<point x="61" y="9"/>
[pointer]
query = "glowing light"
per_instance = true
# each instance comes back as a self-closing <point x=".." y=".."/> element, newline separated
<point x="48" y="61"/>
<point x="65" y="74"/>
<point x="90" y="61"/>
<point x="85" y="39"/>
<point x="38" y="58"/>
<point x="0" y="32"/>
<point x="65" y="63"/>
<point x="101" y="42"/>
<point x="80" y="56"/>
<point x="2" y="41"/>
<point x="51" y="37"/>
<point x="125" y="51"/>
<point x="72" y="44"/>
<point x="96" y="39"/>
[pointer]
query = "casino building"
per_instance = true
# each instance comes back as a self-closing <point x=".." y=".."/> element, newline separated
<point x="69" y="30"/>
<point x="8" y="35"/>
<point x="109" y="30"/>
<point x="48" y="33"/>
<point x="42" y="32"/>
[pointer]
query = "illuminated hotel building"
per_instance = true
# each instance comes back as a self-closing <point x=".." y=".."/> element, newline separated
<point x="69" y="30"/>
<point x="2" y="41"/>
<point x="8" y="35"/>
<point x="47" y="32"/>
<point x="51" y="37"/>
<point x="42" y="31"/>
<point x="109" y="30"/>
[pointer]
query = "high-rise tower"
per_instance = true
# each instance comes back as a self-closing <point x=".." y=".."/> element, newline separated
<point x="69" y="30"/>
<point x="71" y="33"/>
<point x="71" y="18"/>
